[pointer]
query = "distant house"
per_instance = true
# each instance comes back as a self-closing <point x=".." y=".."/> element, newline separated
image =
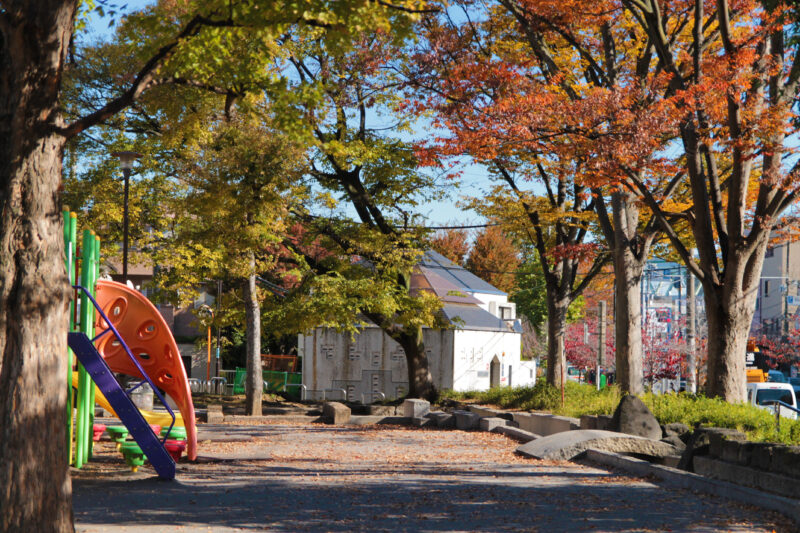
<point x="481" y="351"/>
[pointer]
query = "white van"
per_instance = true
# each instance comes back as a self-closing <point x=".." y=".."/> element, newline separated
<point x="763" y="394"/>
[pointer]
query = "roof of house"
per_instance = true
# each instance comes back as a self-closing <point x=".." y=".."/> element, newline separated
<point x="435" y="263"/>
<point x="472" y="317"/>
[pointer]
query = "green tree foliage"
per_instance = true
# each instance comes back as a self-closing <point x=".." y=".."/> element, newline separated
<point x="365" y="184"/>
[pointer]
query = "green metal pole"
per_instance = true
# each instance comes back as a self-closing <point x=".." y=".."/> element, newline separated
<point x="84" y="383"/>
<point x="94" y="274"/>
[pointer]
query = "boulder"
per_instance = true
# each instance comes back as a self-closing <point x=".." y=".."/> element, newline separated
<point x="634" y="418"/>
<point x="676" y="442"/>
<point x="676" y="428"/>
<point x="569" y="444"/>
<point x="335" y="413"/>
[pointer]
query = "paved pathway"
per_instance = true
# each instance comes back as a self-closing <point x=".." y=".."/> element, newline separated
<point x="308" y="477"/>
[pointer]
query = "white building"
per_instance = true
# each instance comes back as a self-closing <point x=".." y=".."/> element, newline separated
<point x="482" y="350"/>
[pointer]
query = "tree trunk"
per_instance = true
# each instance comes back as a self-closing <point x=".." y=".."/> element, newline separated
<point x="729" y="311"/>
<point x="255" y="381"/>
<point x="35" y="488"/>
<point x="556" y="332"/>
<point x="630" y="251"/>
<point x="420" y="381"/>
<point x="628" y="320"/>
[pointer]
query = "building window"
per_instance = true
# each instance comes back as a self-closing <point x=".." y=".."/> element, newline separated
<point x="770" y="252"/>
<point x="506" y="313"/>
<point x="766" y="288"/>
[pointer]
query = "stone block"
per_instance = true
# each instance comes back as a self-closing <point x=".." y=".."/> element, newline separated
<point x="416" y="408"/>
<point x="484" y="412"/>
<point x="786" y="461"/>
<point x="528" y="422"/>
<point x="517" y="434"/>
<point x="445" y="420"/>
<point x="381" y="410"/>
<point x="466" y="420"/>
<point x="588" y="422"/>
<point x="761" y="456"/>
<point x="737" y="452"/>
<point x="604" y="422"/>
<point x="697" y="446"/>
<point x="718" y="436"/>
<point x="434" y="414"/>
<point x="423" y="422"/>
<point x="214" y="414"/>
<point x="335" y="413"/>
<point x="491" y="423"/>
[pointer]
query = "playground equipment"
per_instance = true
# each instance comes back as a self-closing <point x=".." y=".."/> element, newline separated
<point x="154" y="350"/>
<point x="123" y="316"/>
<point x="152" y="417"/>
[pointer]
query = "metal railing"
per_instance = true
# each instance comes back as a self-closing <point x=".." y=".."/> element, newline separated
<point x="212" y="386"/>
<point x="371" y="396"/>
<point x="303" y="389"/>
<point x="778" y="404"/>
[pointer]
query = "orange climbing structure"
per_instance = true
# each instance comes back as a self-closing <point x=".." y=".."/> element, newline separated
<point x="151" y="342"/>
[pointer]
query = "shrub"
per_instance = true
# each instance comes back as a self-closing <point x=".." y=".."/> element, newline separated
<point x="692" y="410"/>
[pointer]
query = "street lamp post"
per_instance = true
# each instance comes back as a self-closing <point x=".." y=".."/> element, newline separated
<point x="126" y="160"/>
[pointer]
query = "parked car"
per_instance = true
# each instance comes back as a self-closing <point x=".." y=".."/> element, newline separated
<point x="763" y="395"/>
<point x="795" y="383"/>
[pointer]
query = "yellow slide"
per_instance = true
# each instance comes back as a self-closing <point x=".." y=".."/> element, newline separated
<point x="162" y="419"/>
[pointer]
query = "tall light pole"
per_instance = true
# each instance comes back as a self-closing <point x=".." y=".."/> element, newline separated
<point x="126" y="160"/>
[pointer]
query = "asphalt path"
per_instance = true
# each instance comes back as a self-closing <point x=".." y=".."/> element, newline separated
<point x="312" y="477"/>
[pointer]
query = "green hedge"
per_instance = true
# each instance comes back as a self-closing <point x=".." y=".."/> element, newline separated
<point x="692" y="410"/>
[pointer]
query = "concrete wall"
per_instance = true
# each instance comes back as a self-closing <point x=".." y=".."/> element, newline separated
<point x="198" y="358"/>
<point x="368" y="363"/>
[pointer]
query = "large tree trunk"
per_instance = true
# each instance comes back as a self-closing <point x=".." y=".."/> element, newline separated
<point x="420" y="381"/>
<point x="556" y="332"/>
<point x="628" y="267"/>
<point x="35" y="488"/>
<point x="729" y="311"/>
<point x="255" y="380"/>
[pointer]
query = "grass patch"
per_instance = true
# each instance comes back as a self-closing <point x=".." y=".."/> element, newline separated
<point x="692" y="410"/>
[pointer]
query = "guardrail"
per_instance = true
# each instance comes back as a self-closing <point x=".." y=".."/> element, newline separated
<point x="212" y="386"/>
<point x="778" y="404"/>
<point x="303" y="389"/>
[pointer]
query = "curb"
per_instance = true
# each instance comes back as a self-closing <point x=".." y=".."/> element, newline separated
<point x="696" y="482"/>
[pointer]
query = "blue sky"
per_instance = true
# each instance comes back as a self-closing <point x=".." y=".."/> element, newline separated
<point x="437" y="213"/>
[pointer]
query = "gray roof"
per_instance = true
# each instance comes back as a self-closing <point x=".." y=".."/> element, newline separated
<point x="455" y="274"/>
<point x="471" y="317"/>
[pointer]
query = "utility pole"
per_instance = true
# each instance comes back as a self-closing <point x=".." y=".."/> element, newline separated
<point x="601" y="343"/>
<point x="786" y="295"/>
<point x="691" y="382"/>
